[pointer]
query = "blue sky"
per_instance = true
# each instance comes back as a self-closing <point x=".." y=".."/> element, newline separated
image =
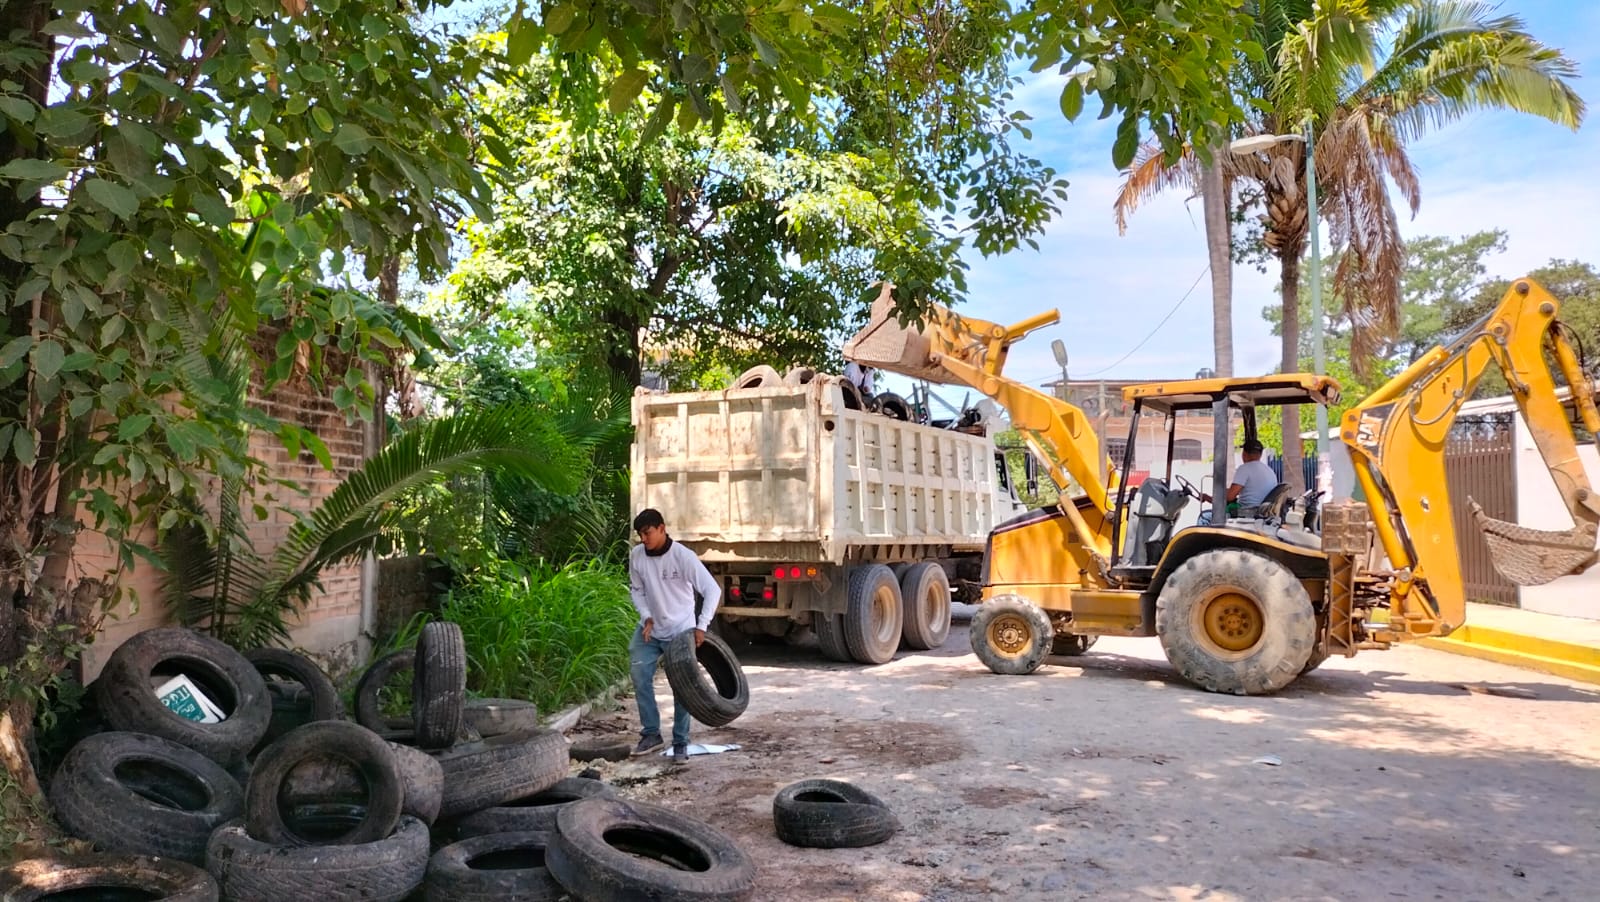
<point x="1533" y="179"/>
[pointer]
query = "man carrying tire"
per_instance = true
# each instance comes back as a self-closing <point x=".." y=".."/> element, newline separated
<point x="663" y="578"/>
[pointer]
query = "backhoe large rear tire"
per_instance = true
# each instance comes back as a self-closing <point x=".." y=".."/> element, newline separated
<point x="1011" y="635"/>
<point x="925" y="591"/>
<point x="1235" y="621"/>
<point x="874" y="614"/>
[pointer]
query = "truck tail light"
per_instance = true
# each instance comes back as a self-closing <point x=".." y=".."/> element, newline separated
<point x="768" y="593"/>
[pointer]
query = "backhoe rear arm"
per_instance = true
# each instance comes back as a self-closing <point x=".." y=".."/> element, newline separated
<point x="1397" y="442"/>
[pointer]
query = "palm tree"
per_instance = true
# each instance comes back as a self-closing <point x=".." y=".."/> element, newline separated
<point x="1368" y="76"/>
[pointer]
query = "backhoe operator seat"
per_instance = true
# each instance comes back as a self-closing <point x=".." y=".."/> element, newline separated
<point x="1274" y="506"/>
<point x="1152" y="521"/>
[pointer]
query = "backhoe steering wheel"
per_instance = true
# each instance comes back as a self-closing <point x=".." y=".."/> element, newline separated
<point x="1188" y="487"/>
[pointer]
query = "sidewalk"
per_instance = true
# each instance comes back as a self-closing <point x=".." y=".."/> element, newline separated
<point x="1565" y="646"/>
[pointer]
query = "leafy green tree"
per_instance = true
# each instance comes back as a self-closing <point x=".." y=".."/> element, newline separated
<point x="171" y="176"/>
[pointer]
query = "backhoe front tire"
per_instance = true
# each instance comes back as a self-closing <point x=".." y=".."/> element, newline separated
<point x="1235" y="621"/>
<point x="1011" y="635"/>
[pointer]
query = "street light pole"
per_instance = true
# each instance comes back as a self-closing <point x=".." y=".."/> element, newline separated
<point x="1318" y="350"/>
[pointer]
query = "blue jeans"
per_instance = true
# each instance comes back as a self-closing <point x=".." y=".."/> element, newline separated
<point x="642" y="659"/>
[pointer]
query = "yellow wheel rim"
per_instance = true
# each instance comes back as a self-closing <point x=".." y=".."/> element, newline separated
<point x="1233" y="621"/>
<point x="1010" y="635"/>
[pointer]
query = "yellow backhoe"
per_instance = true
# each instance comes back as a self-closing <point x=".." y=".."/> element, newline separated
<point x="1250" y="599"/>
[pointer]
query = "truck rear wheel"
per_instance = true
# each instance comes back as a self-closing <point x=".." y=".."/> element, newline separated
<point x="1011" y="635"/>
<point x="830" y="636"/>
<point x="1235" y="621"/>
<point x="926" y="592"/>
<point x="873" y="614"/>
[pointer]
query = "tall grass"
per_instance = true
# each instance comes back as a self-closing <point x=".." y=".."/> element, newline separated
<point x="553" y="636"/>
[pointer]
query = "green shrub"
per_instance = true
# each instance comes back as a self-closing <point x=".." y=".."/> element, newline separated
<point x="553" y="636"/>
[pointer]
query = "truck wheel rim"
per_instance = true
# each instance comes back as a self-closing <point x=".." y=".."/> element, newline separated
<point x="1231" y="621"/>
<point x="1010" y="635"/>
<point x="883" y="614"/>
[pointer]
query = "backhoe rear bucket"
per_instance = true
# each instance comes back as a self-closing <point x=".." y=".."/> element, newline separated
<point x="1533" y="557"/>
<point x="887" y="345"/>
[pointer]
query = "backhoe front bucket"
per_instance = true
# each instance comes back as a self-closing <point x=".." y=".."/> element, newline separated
<point x="1533" y="557"/>
<point x="887" y="345"/>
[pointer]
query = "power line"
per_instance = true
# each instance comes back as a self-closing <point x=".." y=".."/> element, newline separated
<point x="1142" y="341"/>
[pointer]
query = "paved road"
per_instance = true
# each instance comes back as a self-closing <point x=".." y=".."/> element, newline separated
<point x="1404" y="774"/>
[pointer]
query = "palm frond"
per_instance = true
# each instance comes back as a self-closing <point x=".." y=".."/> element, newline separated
<point x="1150" y="175"/>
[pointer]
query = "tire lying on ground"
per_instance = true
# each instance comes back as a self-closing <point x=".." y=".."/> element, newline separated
<point x="1072" y="645"/>
<point x="300" y="691"/>
<point x="369" y="708"/>
<point x="336" y="780"/>
<point x="493" y="867"/>
<point x="498" y="716"/>
<point x="1011" y="635"/>
<point x="128" y="702"/>
<point x="439" y="685"/>
<point x="925" y="593"/>
<point x="490" y="772"/>
<point x="106" y="878"/>
<point x="831" y="814"/>
<point x="534" y="813"/>
<point x="265" y="814"/>
<point x="707" y="680"/>
<point x="135" y="794"/>
<point x="611" y="850"/>
<point x="388" y="870"/>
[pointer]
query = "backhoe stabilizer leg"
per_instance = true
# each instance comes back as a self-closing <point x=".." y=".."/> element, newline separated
<point x="1533" y="557"/>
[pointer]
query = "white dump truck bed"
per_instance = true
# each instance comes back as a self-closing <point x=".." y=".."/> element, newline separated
<point x="789" y="473"/>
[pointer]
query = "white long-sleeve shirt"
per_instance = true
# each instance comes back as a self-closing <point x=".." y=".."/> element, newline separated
<point x="663" y="588"/>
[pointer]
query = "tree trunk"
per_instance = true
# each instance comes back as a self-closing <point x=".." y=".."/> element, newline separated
<point x="1219" y="246"/>
<point x="1292" y="450"/>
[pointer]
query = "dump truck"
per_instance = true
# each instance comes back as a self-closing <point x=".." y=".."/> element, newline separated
<point x="1248" y="601"/>
<point x="816" y="508"/>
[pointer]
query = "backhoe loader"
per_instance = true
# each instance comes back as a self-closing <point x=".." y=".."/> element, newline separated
<point x="1251" y="599"/>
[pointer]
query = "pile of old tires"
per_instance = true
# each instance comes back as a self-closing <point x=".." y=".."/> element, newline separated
<point x="887" y="403"/>
<point x="286" y="799"/>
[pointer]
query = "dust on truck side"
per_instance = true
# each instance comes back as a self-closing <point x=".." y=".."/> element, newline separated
<point x="813" y="512"/>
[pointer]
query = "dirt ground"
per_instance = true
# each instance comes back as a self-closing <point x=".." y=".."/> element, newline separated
<point x="1405" y="774"/>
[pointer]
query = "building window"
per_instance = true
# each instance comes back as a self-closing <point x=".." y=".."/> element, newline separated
<point x="1187" y="449"/>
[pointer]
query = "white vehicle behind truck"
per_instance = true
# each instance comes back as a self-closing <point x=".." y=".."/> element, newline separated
<point x="813" y="512"/>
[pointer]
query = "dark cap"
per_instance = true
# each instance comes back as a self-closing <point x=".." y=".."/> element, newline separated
<point x="1253" y="446"/>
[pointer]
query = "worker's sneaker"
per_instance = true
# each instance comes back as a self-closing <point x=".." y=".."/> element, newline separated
<point x="648" y="744"/>
<point x="680" y="755"/>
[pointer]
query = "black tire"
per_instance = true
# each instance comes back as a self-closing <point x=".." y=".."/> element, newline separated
<point x="388" y="870"/>
<point x="762" y="376"/>
<point x="1313" y="662"/>
<point x="535" y="813"/>
<point x="1237" y="622"/>
<point x="291" y="667"/>
<point x="925" y="596"/>
<point x="336" y="780"/>
<point x="135" y="794"/>
<point x="707" y="680"/>
<point x="830" y="636"/>
<point x="800" y="375"/>
<point x="106" y="878"/>
<point x="439" y="685"/>
<point x="265" y="814"/>
<point x="873" y="614"/>
<point x="852" y="394"/>
<point x="893" y="406"/>
<point x="369" y="707"/>
<point x="611" y="850"/>
<point x="831" y="814"/>
<point x="1011" y="635"/>
<point x="1071" y="645"/>
<point x="500" y="866"/>
<point x="128" y="704"/>
<point x="499" y="716"/>
<point x="493" y="771"/>
<point x="600" y="748"/>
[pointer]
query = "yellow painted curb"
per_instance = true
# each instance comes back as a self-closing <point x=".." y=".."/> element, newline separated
<point x="1563" y="659"/>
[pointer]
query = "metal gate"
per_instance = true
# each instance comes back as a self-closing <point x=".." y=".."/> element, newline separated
<point x="1481" y="464"/>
